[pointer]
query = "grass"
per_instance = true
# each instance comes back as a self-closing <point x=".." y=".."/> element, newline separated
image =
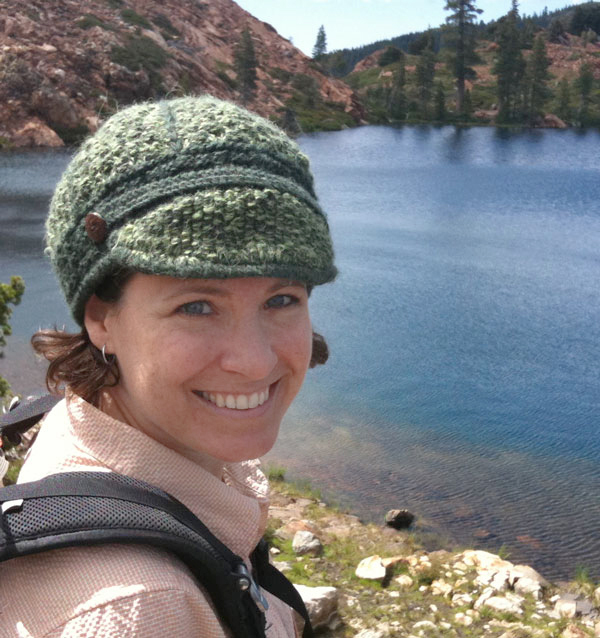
<point x="131" y="17"/>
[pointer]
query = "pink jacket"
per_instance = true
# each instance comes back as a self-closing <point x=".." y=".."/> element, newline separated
<point x="130" y="591"/>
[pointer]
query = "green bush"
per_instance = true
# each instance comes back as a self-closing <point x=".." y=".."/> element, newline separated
<point x="89" y="20"/>
<point x="163" y="23"/>
<point x="138" y="53"/>
<point x="10" y="295"/>
<point x="130" y="16"/>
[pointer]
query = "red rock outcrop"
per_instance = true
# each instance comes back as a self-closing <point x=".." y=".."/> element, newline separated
<point x="66" y="64"/>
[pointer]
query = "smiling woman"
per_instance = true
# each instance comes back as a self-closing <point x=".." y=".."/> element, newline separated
<point x="186" y="236"/>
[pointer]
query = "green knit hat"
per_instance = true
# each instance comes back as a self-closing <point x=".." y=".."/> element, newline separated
<point x="190" y="187"/>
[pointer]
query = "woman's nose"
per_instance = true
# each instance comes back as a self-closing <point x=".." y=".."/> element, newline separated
<point x="249" y="350"/>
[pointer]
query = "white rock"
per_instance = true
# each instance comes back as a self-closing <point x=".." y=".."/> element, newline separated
<point x="404" y="581"/>
<point x="565" y="608"/>
<point x="503" y="604"/>
<point x="321" y="604"/>
<point x="596" y="596"/>
<point x="371" y="568"/>
<point x="463" y="619"/>
<point x="306" y="543"/>
<point x="433" y="608"/>
<point x="462" y="599"/>
<point x="597" y="627"/>
<point x="484" y="560"/>
<point x="441" y="588"/>
<point x="372" y="633"/>
<point x="487" y="593"/>
<point x="394" y="594"/>
<point x="528" y="586"/>
<point x="282" y="566"/>
<point x="524" y="571"/>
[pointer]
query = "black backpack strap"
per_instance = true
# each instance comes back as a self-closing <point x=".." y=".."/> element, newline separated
<point x="23" y="415"/>
<point x="92" y="508"/>
<point x="271" y="579"/>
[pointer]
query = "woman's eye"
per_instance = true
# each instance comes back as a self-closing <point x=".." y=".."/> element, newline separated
<point x="281" y="301"/>
<point x="195" y="308"/>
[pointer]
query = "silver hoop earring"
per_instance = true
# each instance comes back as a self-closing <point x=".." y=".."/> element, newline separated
<point x="107" y="361"/>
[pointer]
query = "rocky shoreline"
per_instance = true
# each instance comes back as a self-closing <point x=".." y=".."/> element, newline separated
<point x="374" y="581"/>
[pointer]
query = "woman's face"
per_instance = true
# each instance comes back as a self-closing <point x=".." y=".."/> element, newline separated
<point x="208" y="367"/>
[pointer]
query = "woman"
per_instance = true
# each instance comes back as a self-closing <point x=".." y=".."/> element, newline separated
<point x="186" y="237"/>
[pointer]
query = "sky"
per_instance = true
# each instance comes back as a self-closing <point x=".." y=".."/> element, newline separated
<point x="352" y="23"/>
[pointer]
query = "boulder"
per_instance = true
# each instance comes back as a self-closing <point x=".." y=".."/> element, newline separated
<point x="565" y="608"/>
<point x="321" y="604"/>
<point x="484" y="560"/>
<point x="404" y="581"/>
<point x="504" y="604"/>
<point x="55" y="108"/>
<point x="399" y="519"/>
<point x="306" y="543"/>
<point x="36" y="133"/>
<point x="371" y="568"/>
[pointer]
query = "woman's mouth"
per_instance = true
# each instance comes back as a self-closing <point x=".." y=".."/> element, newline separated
<point x="236" y="401"/>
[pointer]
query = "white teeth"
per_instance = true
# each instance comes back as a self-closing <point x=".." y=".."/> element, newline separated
<point x="237" y="402"/>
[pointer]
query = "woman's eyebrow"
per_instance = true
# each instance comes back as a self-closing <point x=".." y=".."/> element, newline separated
<point x="285" y="283"/>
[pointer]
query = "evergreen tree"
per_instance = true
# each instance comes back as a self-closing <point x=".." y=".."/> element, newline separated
<point x="557" y="32"/>
<point x="509" y="66"/>
<point x="245" y="66"/>
<point x="10" y="294"/>
<point x="440" y="103"/>
<point x="467" y="113"/>
<point x="320" y="48"/>
<point x="424" y="77"/>
<point x="563" y="109"/>
<point x="397" y="106"/>
<point x="462" y="19"/>
<point x="537" y="79"/>
<point x="584" y="84"/>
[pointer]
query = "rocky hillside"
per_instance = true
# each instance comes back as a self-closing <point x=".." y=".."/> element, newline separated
<point x="66" y="65"/>
<point x="370" y="581"/>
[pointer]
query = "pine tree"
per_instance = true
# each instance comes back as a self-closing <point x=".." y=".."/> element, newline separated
<point x="397" y="106"/>
<point x="462" y="20"/>
<point x="509" y="65"/>
<point x="563" y="109"/>
<point x="440" y="103"/>
<point x="584" y="83"/>
<point x="537" y="79"/>
<point x="245" y="66"/>
<point x="320" y="48"/>
<point x="10" y="294"/>
<point x="424" y="76"/>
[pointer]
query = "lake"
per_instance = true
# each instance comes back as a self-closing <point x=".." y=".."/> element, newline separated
<point x="464" y="330"/>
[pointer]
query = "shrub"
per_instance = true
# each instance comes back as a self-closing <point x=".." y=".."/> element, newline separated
<point x="89" y="20"/>
<point x="10" y="295"/>
<point x="131" y="17"/>
<point x="138" y="53"/>
<point x="163" y="22"/>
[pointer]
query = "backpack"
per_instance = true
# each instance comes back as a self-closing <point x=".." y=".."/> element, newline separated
<point x="93" y="508"/>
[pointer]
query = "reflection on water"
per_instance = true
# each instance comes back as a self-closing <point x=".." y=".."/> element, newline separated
<point x="464" y="330"/>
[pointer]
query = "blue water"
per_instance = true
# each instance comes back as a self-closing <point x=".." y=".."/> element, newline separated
<point x="464" y="327"/>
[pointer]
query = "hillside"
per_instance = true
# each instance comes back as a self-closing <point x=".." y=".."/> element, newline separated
<point x="374" y="82"/>
<point x="66" y="65"/>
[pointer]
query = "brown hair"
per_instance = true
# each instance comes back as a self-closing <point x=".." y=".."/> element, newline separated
<point x="75" y="361"/>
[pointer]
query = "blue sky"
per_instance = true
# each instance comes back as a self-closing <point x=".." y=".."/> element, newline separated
<point x="351" y="23"/>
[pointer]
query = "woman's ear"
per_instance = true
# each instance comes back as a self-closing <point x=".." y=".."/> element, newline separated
<point x="94" y="320"/>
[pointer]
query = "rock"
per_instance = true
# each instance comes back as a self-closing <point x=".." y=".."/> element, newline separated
<point x="289" y="530"/>
<point x="371" y="568"/>
<point x="504" y="604"/>
<point x="441" y="588"/>
<point x="484" y="560"/>
<point x="36" y="133"/>
<point x="372" y="633"/>
<point x="55" y="108"/>
<point x="526" y="586"/>
<point x="565" y="608"/>
<point x="524" y="571"/>
<point x="306" y="543"/>
<point x="282" y="566"/>
<point x="404" y="581"/>
<point x="463" y="619"/>
<point x="596" y="596"/>
<point x="597" y="628"/>
<point x="399" y="519"/>
<point x="572" y="631"/>
<point x="392" y="561"/>
<point x="553" y="121"/>
<point x="321" y="604"/>
<point x="462" y="599"/>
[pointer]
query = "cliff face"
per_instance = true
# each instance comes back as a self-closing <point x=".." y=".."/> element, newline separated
<point x="66" y="65"/>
